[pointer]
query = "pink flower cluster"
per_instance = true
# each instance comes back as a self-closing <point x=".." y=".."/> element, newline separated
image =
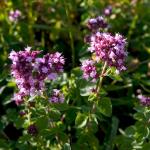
<point x="89" y="70"/>
<point x="56" y="97"/>
<point x="106" y="48"/>
<point x="14" y="15"/>
<point x="144" y="100"/>
<point x="30" y="71"/>
<point x="109" y="48"/>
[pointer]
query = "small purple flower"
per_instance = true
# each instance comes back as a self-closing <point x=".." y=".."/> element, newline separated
<point x="14" y="15"/>
<point x="89" y="70"/>
<point x="56" y="97"/>
<point x="32" y="130"/>
<point x="57" y="61"/>
<point x="144" y="100"/>
<point x="108" y="11"/>
<point x="96" y="23"/>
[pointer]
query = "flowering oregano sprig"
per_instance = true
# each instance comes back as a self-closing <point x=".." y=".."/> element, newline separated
<point x="107" y="49"/>
<point x="31" y="71"/>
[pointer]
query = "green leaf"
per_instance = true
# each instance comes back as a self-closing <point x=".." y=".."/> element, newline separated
<point x="105" y="106"/>
<point x="4" y="144"/>
<point x="81" y="120"/>
<point x="61" y="106"/>
<point x="85" y="87"/>
<point x="66" y="146"/>
<point x="114" y="76"/>
<point x="130" y="131"/>
<point x="42" y="123"/>
<point x="11" y="84"/>
<point x="11" y="114"/>
<point x="2" y="89"/>
<point x="88" y="142"/>
<point x="146" y="146"/>
<point x="77" y="71"/>
<point x="92" y="97"/>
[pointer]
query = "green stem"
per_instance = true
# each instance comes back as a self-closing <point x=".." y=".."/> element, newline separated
<point x="72" y="48"/>
<point x="98" y="87"/>
<point x="99" y="84"/>
<point x="70" y="36"/>
<point x="53" y="125"/>
<point x="28" y="111"/>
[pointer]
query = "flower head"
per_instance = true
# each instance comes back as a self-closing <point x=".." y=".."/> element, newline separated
<point x="109" y="48"/>
<point x="144" y="100"/>
<point x="56" y="97"/>
<point x="89" y="70"/>
<point x="14" y="15"/>
<point x="22" y="69"/>
<point x="30" y="71"/>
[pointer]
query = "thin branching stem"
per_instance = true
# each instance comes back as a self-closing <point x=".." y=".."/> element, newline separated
<point x="99" y="85"/>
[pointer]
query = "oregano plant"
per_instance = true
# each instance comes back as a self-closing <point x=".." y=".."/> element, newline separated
<point x="64" y="111"/>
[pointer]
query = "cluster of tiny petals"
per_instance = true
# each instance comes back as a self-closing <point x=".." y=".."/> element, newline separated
<point x="109" y="48"/>
<point x="144" y="100"/>
<point x="30" y="71"/>
<point x="56" y="97"/>
<point x="49" y="66"/>
<point x="96" y="23"/>
<point x="89" y="70"/>
<point x="14" y="15"/>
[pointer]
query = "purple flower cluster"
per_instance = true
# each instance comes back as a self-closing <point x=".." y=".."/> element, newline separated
<point x="144" y="100"/>
<point x="30" y="71"/>
<point x="56" y="97"/>
<point x="106" y="48"/>
<point x="89" y="70"/>
<point x="96" y="23"/>
<point x="109" y="48"/>
<point x="49" y="66"/>
<point x="14" y="15"/>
